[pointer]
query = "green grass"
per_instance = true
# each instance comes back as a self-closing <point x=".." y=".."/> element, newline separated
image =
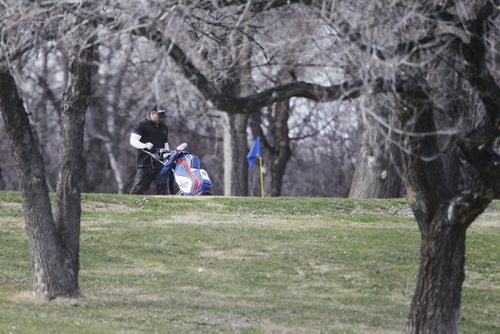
<point x="246" y="265"/>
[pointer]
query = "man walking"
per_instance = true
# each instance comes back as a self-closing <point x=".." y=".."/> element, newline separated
<point x="150" y="135"/>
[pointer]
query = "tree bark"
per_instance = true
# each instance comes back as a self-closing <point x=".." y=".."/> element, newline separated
<point x="376" y="174"/>
<point x="435" y="307"/>
<point x="436" y="302"/>
<point x="281" y="152"/>
<point x="235" y="150"/>
<point x="69" y="182"/>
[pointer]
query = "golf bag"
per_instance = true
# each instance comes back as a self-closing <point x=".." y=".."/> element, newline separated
<point x="191" y="179"/>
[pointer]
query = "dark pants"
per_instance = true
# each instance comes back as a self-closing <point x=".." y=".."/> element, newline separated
<point x="146" y="175"/>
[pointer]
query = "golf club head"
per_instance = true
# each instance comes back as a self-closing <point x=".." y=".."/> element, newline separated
<point x="182" y="146"/>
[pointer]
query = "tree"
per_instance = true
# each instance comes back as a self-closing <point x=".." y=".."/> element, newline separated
<point x="420" y="49"/>
<point x="54" y="243"/>
<point x="443" y="215"/>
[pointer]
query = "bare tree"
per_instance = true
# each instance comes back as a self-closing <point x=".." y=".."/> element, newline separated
<point x="54" y="243"/>
<point x="445" y="213"/>
<point x="420" y="48"/>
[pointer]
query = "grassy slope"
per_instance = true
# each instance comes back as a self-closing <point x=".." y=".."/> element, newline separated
<point x="218" y="264"/>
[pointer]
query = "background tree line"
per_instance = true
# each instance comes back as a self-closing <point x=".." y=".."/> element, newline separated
<point x="421" y="77"/>
<point x="131" y="73"/>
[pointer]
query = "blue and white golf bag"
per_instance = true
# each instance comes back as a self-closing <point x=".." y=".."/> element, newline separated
<point x="191" y="179"/>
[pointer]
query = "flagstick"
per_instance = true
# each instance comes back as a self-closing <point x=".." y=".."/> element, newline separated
<point x="261" y="179"/>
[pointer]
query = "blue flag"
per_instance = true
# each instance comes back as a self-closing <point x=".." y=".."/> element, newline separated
<point x="254" y="152"/>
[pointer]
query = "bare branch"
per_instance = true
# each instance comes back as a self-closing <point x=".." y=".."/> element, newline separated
<point x="56" y="103"/>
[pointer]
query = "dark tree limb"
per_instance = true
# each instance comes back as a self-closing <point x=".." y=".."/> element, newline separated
<point x="248" y="104"/>
<point x="478" y="145"/>
<point x="49" y="93"/>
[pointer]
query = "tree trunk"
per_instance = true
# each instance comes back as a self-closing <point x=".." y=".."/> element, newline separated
<point x="436" y="302"/>
<point x="281" y="152"/>
<point x="69" y="182"/>
<point x="53" y="270"/>
<point x="239" y="82"/>
<point x="376" y="173"/>
<point x="235" y="150"/>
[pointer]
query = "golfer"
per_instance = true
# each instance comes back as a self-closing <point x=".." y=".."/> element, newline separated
<point x="151" y="135"/>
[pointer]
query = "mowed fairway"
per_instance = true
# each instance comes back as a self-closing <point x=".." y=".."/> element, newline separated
<point x="245" y="265"/>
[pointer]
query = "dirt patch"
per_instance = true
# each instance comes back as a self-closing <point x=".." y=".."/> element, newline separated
<point x="11" y="206"/>
<point x="234" y="254"/>
<point x="479" y="281"/>
<point x="29" y="298"/>
<point x="189" y="219"/>
<point x="487" y="219"/>
<point x="106" y="207"/>
<point x="207" y="220"/>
